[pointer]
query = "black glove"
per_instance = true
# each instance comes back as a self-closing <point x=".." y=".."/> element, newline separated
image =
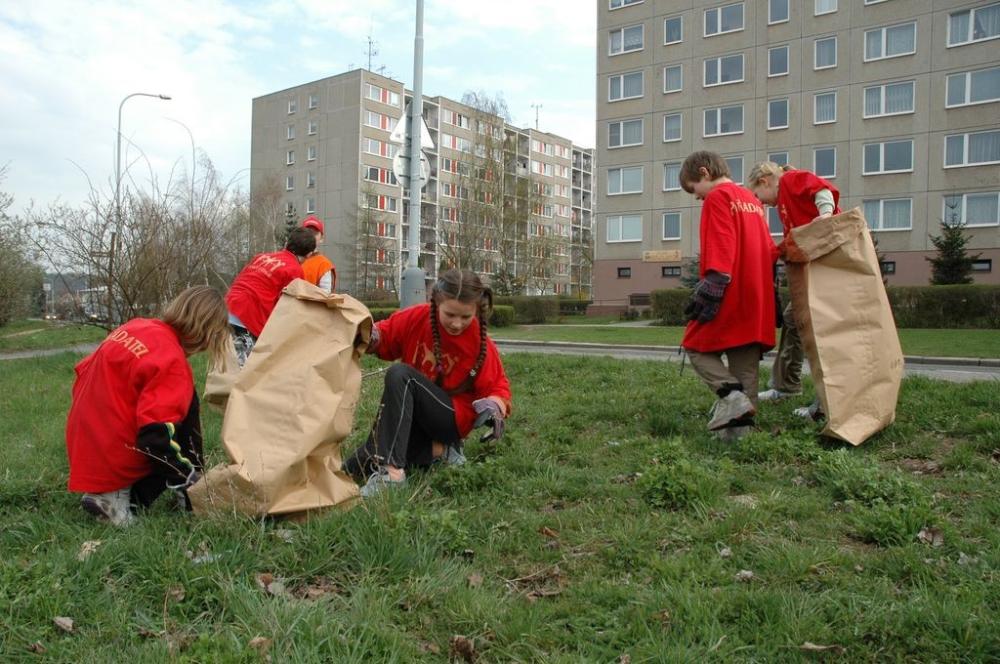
<point x="707" y="297"/>
<point x="489" y="413"/>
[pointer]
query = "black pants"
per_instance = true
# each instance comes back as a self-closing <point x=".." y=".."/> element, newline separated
<point x="188" y="437"/>
<point x="413" y="414"/>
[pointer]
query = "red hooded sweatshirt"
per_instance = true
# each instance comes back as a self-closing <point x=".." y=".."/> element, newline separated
<point x="256" y="289"/>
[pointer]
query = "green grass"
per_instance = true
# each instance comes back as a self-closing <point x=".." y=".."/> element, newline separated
<point x="38" y="335"/>
<point x="606" y="522"/>
<point x="942" y="343"/>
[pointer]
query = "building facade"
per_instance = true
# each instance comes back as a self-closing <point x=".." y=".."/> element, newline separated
<point x="896" y="102"/>
<point x="513" y="204"/>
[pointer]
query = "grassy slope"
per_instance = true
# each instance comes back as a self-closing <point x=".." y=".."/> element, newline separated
<point x="35" y="335"/>
<point x="463" y="551"/>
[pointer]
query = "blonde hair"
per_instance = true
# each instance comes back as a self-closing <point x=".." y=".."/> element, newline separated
<point x="201" y="319"/>
<point x="765" y="169"/>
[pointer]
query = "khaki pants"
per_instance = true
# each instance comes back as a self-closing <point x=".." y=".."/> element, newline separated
<point x="786" y="374"/>
<point x="743" y="368"/>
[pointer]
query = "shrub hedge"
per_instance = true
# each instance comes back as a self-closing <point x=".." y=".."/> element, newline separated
<point x="381" y="313"/>
<point x="503" y="316"/>
<point x="531" y="309"/>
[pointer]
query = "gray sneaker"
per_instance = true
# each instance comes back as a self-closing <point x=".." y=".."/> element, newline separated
<point x="733" y="406"/>
<point x="775" y="395"/>
<point x="813" y="412"/>
<point x="453" y="456"/>
<point x="379" y="482"/>
<point x="114" y="506"/>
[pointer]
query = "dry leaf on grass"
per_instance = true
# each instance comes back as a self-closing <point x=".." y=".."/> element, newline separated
<point x="625" y="659"/>
<point x="964" y="559"/>
<point x="432" y="648"/>
<point x="745" y="500"/>
<point x="463" y="648"/>
<point x="548" y="532"/>
<point x="36" y="647"/>
<point x="285" y="535"/>
<point x="744" y="575"/>
<point x="475" y="580"/>
<point x="176" y="593"/>
<point x="64" y="623"/>
<point x="725" y="552"/>
<point x="931" y="536"/>
<point x="270" y="584"/>
<point x="318" y="589"/>
<point x="88" y="548"/>
<point x="538" y="594"/>
<point x="815" y="647"/>
<point x="260" y="644"/>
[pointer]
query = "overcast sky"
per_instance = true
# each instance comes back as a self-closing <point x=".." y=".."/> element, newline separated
<point x="65" y="65"/>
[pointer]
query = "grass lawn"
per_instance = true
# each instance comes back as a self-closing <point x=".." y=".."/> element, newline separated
<point x="607" y="522"/>
<point x="943" y="343"/>
<point x="37" y="335"/>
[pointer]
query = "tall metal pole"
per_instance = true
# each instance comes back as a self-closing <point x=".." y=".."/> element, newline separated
<point x="413" y="289"/>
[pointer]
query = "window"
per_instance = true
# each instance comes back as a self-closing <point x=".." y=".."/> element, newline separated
<point x="625" y="40"/>
<point x="972" y="149"/>
<point x="456" y="119"/>
<point x="825" y="53"/>
<point x="888" y="157"/>
<point x="670" y="271"/>
<point x="376" y="174"/>
<point x="673" y="30"/>
<point x="673" y="79"/>
<point x="672" y="176"/>
<point x="293" y="105"/>
<point x="310" y="180"/>
<point x="672" y="127"/>
<point x="377" y="202"/>
<point x="720" y="20"/>
<point x="726" y="69"/>
<point x="723" y="121"/>
<point x="625" y="86"/>
<point x="671" y="225"/>
<point x="375" y="93"/>
<point x="777" y="11"/>
<point x="774" y="226"/>
<point x="780" y="158"/>
<point x="824" y="7"/>
<point x="624" y="273"/>
<point x="625" y="180"/>
<point x="974" y="25"/>
<point x="973" y="87"/>
<point x="625" y="228"/>
<point x="289" y="182"/>
<point x="625" y="133"/>
<point x="825" y="162"/>
<point x="377" y="120"/>
<point x="890" y="42"/>
<point x="777" y="61"/>
<point x="980" y="209"/>
<point x="889" y="214"/>
<point x="542" y="168"/>
<point x="313" y="102"/>
<point x="982" y="265"/>
<point x="777" y="114"/>
<point x="289" y="208"/>
<point x="735" y="168"/>
<point x="290" y="157"/>
<point x="311" y="153"/>
<point x="381" y="148"/>
<point x="889" y="99"/>
<point x="824" y="108"/>
<point x="887" y="267"/>
<point x="312" y="128"/>
<point x="618" y="4"/>
<point x="310" y="205"/>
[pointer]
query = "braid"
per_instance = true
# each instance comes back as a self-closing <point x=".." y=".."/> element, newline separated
<point x="436" y="335"/>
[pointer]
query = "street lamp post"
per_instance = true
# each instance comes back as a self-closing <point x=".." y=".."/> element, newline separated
<point x="413" y="289"/>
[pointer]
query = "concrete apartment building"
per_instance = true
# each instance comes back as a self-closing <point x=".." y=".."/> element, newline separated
<point x="327" y="145"/>
<point x="896" y="102"/>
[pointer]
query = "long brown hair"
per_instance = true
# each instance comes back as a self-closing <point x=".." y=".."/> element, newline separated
<point x="200" y="317"/>
<point x="466" y="287"/>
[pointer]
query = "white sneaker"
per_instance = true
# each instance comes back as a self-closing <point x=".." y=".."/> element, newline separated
<point x="733" y="406"/>
<point x="114" y="506"/>
<point x="811" y="412"/>
<point x="379" y="482"/>
<point x="774" y="395"/>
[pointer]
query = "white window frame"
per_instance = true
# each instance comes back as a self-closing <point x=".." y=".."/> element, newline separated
<point x="968" y="88"/>
<point x="718" y="121"/>
<point x="670" y="115"/>
<point x="825" y="147"/>
<point x="881" y="213"/>
<point x="816" y="96"/>
<point x="972" y="22"/>
<point x="836" y="56"/>
<point x="817" y="12"/>
<point x="663" y="225"/>
<point x="621" y="180"/>
<point x="788" y="60"/>
<point x="619" y="219"/>
<point x="313" y="102"/>
<point x="787" y="113"/>
<point x="310" y="205"/>
<point x="642" y="79"/>
<point x="671" y="18"/>
<point x="310" y="180"/>
<point x="718" y="70"/>
<point x="289" y="157"/>
<point x="768" y="211"/>
<point x="642" y="29"/>
<point x="312" y="128"/>
<point x="965" y="149"/>
<point x="881" y="158"/>
<point x="289" y="183"/>
<point x="788" y="12"/>
<point x="678" y="164"/>
<point x="963" y="217"/>
<point x="727" y="158"/>
<point x="681" y="88"/>
<point x="311" y="153"/>
<point x="884" y="30"/>
<point x="621" y="132"/>
<point x="882" y="86"/>
<point x="293" y="106"/>
<point x="874" y="2"/>
<point x="718" y="9"/>
<point x="290" y="132"/>
<point x="622" y="4"/>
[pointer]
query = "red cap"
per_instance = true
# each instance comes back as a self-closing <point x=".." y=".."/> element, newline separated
<point x="314" y="223"/>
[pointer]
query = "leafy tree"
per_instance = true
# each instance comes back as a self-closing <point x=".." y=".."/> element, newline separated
<point x="20" y="276"/>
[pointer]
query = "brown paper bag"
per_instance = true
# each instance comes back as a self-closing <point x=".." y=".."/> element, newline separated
<point x="289" y="409"/>
<point x="848" y="332"/>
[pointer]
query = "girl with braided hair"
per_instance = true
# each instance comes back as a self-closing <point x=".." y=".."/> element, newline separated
<point x="450" y="380"/>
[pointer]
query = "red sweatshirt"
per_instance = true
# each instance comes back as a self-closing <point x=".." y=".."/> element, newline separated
<point x="735" y="240"/>
<point x="256" y="289"/>
<point x="406" y="336"/>
<point x="139" y="375"/>
<point x="796" y="198"/>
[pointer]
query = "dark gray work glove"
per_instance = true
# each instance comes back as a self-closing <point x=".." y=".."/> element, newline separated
<point x="489" y="413"/>
<point x="707" y="297"/>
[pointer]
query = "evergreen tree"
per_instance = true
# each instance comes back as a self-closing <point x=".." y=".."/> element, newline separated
<point x="291" y="223"/>
<point x="952" y="265"/>
<point x="690" y="271"/>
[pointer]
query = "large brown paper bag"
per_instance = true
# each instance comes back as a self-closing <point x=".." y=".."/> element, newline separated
<point x="847" y="329"/>
<point x="289" y="409"/>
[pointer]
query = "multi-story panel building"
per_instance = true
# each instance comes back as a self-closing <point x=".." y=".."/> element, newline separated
<point x="512" y="203"/>
<point x="896" y="102"/>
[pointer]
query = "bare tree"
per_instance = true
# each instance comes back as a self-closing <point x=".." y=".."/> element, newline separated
<point x="375" y="248"/>
<point x="20" y="275"/>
